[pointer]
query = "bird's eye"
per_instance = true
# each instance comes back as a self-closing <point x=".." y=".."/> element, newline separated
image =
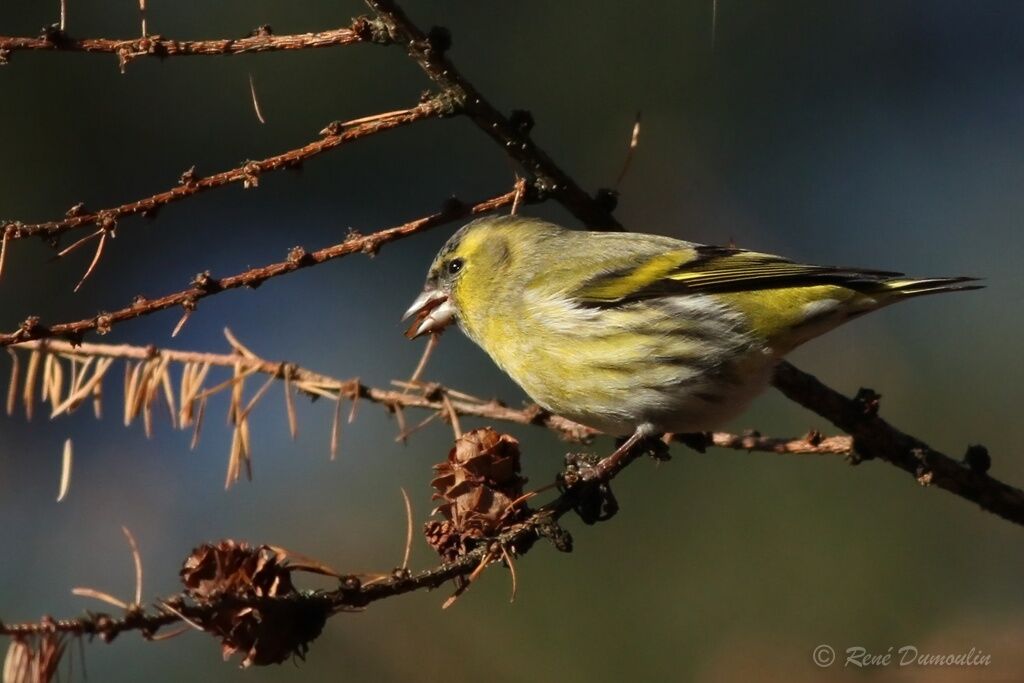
<point x="454" y="266"/>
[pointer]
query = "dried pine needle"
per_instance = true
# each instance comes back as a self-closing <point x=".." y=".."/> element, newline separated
<point x="184" y="395"/>
<point x="137" y="561"/>
<point x="316" y="390"/>
<point x="29" y="395"/>
<point x="289" y="404"/>
<point x="199" y="424"/>
<point x="400" y="418"/>
<point x="238" y="346"/>
<point x="79" y="394"/>
<point x="12" y="388"/>
<point x="408" y="528"/>
<point x="74" y="373"/>
<point x="484" y="561"/>
<point x="336" y="427"/>
<point x="512" y="572"/>
<point x="181" y="322"/>
<point x="97" y="399"/>
<point x="129" y="373"/>
<point x="256" y="397"/>
<point x="95" y="260"/>
<point x="453" y="415"/>
<point x="47" y="377"/>
<point x="99" y="595"/>
<point x="165" y="382"/>
<point x="420" y="425"/>
<point x="255" y="101"/>
<point x="3" y="250"/>
<point x="234" y="458"/>
<point x="65" y="471"/>
<point x="355" y="401"/>
<point x="77" y="243"/>
<point x="246" y="448"/>
<point x="428" y="351"/>
<point x="181" y="616"/>
<point x="18" y="662"/>
<point x="238" y="377"/>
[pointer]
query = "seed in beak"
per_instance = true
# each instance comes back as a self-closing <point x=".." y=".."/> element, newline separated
<point x="433" y="312"/>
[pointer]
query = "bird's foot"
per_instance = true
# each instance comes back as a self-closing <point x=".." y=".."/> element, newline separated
<point x="589" y="475"/>
<point x="593" y="499"/>
<point x="583" y="467"/>
<point x="698" y="441"/>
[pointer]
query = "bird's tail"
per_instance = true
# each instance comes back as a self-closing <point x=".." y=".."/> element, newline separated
<point x="903" y="288"/>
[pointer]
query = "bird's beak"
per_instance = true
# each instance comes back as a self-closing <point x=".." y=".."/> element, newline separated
<point x="433" y="312"/>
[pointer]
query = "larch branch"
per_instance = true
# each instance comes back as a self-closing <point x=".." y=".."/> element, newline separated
<point x="248" y="174"/>
<point x="873" y="437"/>
<point x="428" y="397"/>
<point x="352" y="593"/>
<point x="511" y="135"/>
<point x="204" y="285"/>
<point x="261" y="39"/>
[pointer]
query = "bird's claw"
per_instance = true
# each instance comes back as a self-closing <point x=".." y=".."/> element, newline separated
<point x="594" y="501"/>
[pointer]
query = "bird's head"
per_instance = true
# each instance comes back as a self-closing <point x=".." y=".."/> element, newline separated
<point x="470" y="271"/>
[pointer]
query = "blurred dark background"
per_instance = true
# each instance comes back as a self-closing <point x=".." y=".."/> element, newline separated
<point x="882" y="134"/>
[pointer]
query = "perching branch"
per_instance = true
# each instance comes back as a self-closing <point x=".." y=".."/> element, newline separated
<point x="248" y="174"/>
<point x="435" y="398"/>
<point x="514" y="540"/>
<point x="206" y="608"/>
<point x="873" y="437"/>
<point x="205" y="285"/>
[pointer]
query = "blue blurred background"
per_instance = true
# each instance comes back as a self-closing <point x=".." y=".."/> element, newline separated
<point x="885" y="134"/>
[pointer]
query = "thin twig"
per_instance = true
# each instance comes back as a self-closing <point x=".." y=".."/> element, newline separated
<point x="205" y="286"/>
<point x="876" y="438"/>
<point x="261" y="40"/>
<point x="247" y="174"/>
<point x="514" y="140"/>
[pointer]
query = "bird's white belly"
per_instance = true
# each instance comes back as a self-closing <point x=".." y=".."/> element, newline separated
<point x="682" y="409"/>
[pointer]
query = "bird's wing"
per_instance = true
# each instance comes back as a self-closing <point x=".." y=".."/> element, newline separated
<point x="706" y="269"/>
